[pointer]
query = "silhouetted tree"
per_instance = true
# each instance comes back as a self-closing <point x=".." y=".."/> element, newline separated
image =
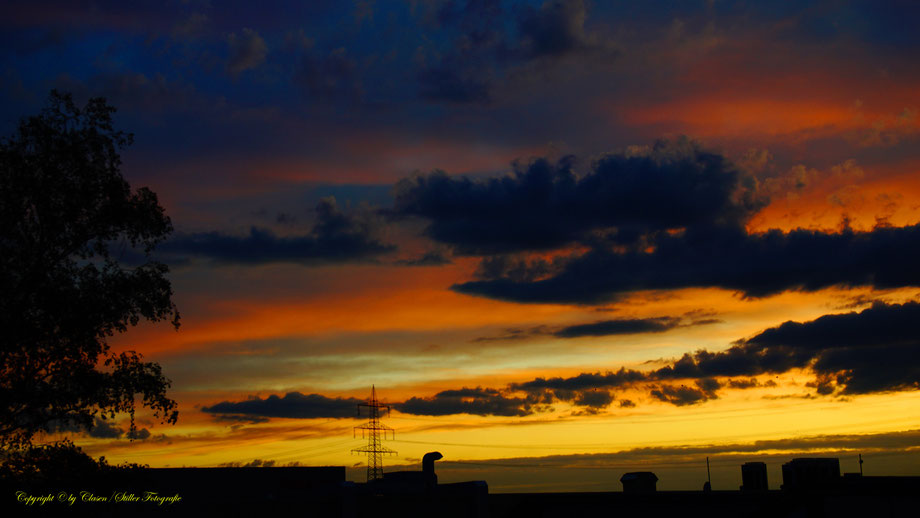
<point x="59" y="464"/>
<point x="75" y="269"/>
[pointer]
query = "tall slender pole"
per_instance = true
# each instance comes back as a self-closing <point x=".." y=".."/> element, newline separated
<point x="372" y="430"/>
<point x="708" y="475"/>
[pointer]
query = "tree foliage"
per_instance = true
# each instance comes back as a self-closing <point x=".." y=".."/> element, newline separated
<point x="75" y="269"/>
<point x="57" y="464"/>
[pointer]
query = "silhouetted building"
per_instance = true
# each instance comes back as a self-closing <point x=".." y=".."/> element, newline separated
<point x="639" y="482"/>
<point x="412" y="481"/>
<point x="811" y="473"/>
<point x="417" y="493"/>
<point x="754" y="476"/>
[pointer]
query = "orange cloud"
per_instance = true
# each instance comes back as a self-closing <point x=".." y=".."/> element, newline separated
<point x="759" y="85"/>
<point x="743" y="117"/>
<point x="886" y="194"/>
<point x="368" y="299"/>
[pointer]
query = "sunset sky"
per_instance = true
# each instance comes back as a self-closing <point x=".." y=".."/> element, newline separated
<point x="564" y="239"/>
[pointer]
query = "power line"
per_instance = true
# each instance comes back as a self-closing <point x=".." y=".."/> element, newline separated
<point x="312" y="451"/>
<point x="521" y="465"/>
<point x="575" y="466"/>
<point x="503" y="446"/>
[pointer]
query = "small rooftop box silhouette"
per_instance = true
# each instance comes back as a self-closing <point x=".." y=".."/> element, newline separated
<point x="754" y="476"/>
<point x="810" y="473"/>
<point x="639" y="482"/>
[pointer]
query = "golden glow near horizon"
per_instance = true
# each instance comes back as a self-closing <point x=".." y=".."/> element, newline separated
<point x="787" y="410"/>
<point x="733" y="421"/>
<point x="442" y="354"/>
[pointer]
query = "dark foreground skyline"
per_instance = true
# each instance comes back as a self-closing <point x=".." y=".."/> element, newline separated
<point x="811" y="487"/>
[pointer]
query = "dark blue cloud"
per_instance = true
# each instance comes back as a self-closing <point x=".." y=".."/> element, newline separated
<point x="166" y="64"/>
<point x="329" y="75"/>
<point x="99" y="429"/>
<point x="336" y="237"/>
<point x="667" y="218"/>
<point x="593" y="399"/>
<point x="553" y="29"/>
<point x="484" y="44"/>
<point x="432" y="258"/>
<point x="886" y="25"/>
<point x="591" y="391"/>
<point x="462" y="70"/>
<point x="105" y="430"/>
<point x="445" y="82"/>
<point x="623" y="326"/>
<point x="247" y="51"/>
<point x="545" y="205"/>
<point x="292" y="405"/>
<point x="474" y="401"/>
<point x="683" y="395"/>
<point x="879" y="324"/>
<point x="756" y="265"/>
<point x="609" y="327"/>
<point x="874" y="350"/>
<point x="583" y="381"/>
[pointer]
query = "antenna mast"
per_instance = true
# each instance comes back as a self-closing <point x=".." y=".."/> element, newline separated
<point x="372" y="430"/>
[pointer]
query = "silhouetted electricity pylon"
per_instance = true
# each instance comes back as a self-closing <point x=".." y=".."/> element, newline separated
<point x="372" y="430"/>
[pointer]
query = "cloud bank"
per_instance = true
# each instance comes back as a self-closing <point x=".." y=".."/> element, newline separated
<point x="336" y="236"/>
<point x="870" y="351"/>
<point x="544" y="205"/>
<point x="666" y="217"/>
<point x="292" y="404"/>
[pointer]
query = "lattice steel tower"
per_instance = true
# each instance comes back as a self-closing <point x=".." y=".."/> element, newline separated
<point x="372" y="430"/>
